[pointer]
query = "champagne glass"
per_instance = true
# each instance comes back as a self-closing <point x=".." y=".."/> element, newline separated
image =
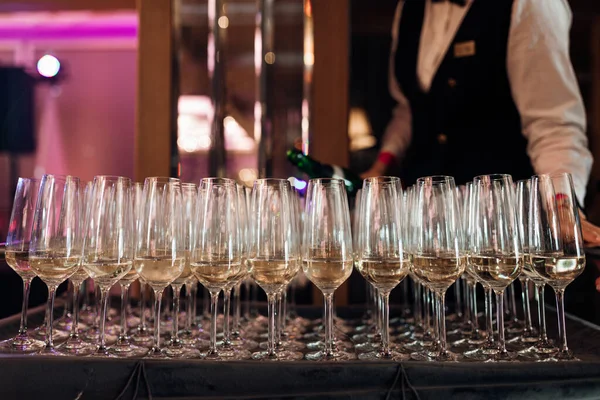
<point x="75" y="345"/>
<point x="108" y="239"/>
<point x="495" y="247"/>
<point x="327" y="251"/>
<point x="142" y="334"/>
<point x="176" y="347"/>
<point x="55" y="247"/>
<point x="17" y="257"/>
<point x="439" y="257"/>
<point x="555" y="241"/>
<point x="274" y="251"/>
<point x="541" y="346"/>
<point x="381" y="254"/>
<point x="235" y="342"/>
<point x="217" y="253"/>
<point x="160" y="243"/>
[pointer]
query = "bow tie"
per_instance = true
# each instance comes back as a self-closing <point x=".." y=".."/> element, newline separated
<point x="461" y="3"/>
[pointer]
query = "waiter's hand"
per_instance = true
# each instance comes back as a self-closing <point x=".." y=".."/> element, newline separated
<point x="377" y="169"/>
<point x="591" y="233"/>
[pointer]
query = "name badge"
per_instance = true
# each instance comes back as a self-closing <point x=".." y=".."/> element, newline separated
<point x="464" y="49"/>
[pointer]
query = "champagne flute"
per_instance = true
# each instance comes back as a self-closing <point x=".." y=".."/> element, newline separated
<point x="439" y="257"/>
<point x="274" y="254"/>
<point x="327" y="251"/>
<point x="160" y="243"/>
<point x="541" y="347"/>
<point x="55" y="247"/>
<point x="176" y="347"/>
<point x="555" y="241"/>
<point x="217" y="254"/>
<point x="496" y="255"/>
<point x="142" y="334"/>
<point x="17" y="257"/>
<point x="239" y="346"/>
<point x="108" y="239"/>
<point x="381" y="253"/>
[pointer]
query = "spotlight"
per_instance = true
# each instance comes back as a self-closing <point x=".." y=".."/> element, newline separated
<point x="48" y="66"/>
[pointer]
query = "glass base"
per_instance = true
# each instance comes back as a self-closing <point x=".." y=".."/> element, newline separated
<point x="338" y="345"/>
<point x="74" y="346"/>
<point x="21" y="344"/>
<point x="126" y="348"/>
<point x="156" y="353"/>
<point x="368" y="347"/>
<point x="545" y="347"/>
<point x="420" y="356"/>
<point x="447" y="356"/>
<point x="290" y="345"/>
<point x="50" y="351"/>
<point x="182" y="352"/>
<point x="336" y="356"/>
<point x="278" y="356"/>
<point x="480" y="354"/>
<point x="393" y="355"/>
<point x="40" y="334"/>
<point x="246" y="344"/>
<point x="93" y="336"/>
<point x="502" y="356"/>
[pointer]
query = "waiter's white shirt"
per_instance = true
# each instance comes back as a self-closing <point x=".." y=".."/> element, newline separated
<point x="542" y="80"/>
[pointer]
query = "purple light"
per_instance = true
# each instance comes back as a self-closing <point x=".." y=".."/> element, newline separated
<point x="299" y="184"/>
<point x="48" y="66"/>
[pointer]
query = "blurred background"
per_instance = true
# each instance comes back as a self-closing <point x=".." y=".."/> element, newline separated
<point x="81" y="83"/>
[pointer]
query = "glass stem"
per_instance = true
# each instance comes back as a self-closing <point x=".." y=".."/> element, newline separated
<point x="157" y="301"/>
<point x="103" y="309"/>
<point x="50" y="314"/>
<point x="426" y="312"/>
<point x="441" y="307"/>
<point x="278" y="319"/>
<point x="98" y="296"/>
<point x="513" y="303"/>
<point x="405" y="305"/>
<point x="226" y="315"/>
<point x="500" y="318"/>
<point x="194" y="309"/>
<point x="385" y="316"/>
<point x="237" y="309"/>
<point x="328" y="324"/>
<point x="560" y="308"/>
<point x="75" y="320"/>
<point x="541" y="311"/>
<point x="468" y="306"/>
<point x="214" y="303"/>
<point x="143" y="306"/>
<point x="526" y="306"/>
<point x="284" y="310"/>
<point x="474" y="316"/>
<point x="458" y="295"/>
<point x="379" y="312"/>
<point x="188" y="309"/>
<point x="489" y="318"/>
<point x="247" y="299"/>
<point x="272" y="303"/>
<point x="253" y="309"/>
<point x="292" y="307"/>
<point x="124" y="301"/>
<point x="176" y="306"/>
<point x="24" y="307"/>
<point x="417" y="301"/>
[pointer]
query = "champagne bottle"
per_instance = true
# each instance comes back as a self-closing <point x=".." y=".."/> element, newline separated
<point x="315" y="169"/>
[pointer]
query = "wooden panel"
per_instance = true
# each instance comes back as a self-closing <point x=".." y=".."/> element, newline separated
<point x="154" y="93"/>
<point x="329" y="131"/>
<point x="67" y="5"/>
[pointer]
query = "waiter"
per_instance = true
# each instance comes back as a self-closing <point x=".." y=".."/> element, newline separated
<point x="485" y="86"/>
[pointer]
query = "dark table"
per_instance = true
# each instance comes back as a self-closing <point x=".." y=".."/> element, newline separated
<point x="37" y="377"/>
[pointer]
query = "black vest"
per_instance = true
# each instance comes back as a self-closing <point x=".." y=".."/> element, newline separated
<point x="468" y="123"/>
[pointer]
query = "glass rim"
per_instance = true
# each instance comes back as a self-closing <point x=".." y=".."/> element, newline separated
<point x="162" y="179"/>
<point x="553" y="175"/>
<point x="327" y="181"/>
<point x="65" y="178"/>
<point x="271" y="181"/>
<point x="217" y="181"/>
<point x="32" y="180"/>
<point x="187" y="185"/>
<point x="492" y="177"/>
<point x="384" y="179"/>
<point x="436" y="179"/>
<point x="111" y="178"/>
